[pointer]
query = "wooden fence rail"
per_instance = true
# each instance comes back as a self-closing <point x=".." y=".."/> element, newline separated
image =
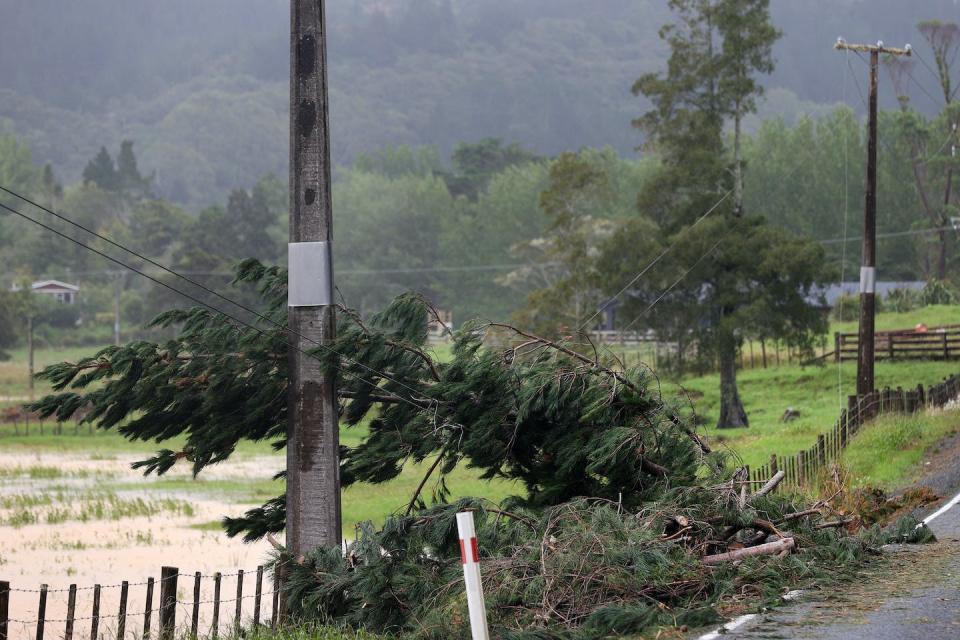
<point x="166" y="610"/>
<point x="942" y="343"/>
<point x="803" y="468"/>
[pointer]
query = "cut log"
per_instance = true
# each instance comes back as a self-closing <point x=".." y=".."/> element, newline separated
<point x="771" y="548"/>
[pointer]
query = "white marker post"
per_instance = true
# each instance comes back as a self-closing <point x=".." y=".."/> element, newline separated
<point x="470" y="556"/>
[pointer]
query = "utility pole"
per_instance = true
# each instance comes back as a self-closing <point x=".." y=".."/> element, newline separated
<point x="868" y="268"/>
<point x="30" y="353"/>
<point x="313" y="460"/>
<point x="117" y="290"/>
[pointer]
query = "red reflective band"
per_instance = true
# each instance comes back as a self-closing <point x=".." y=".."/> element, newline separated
<point x="463" y="552"/>
<point x="475" y="548"/>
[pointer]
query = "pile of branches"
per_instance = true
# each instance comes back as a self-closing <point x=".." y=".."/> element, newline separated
<point x="583" y="569"/>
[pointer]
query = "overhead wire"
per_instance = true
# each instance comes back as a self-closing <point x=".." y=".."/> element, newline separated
<point x="221" y="312"/>
<point x="891" y="234"/>
<point x="675" y="283"/>
<point x="653" y="262"/>
<point x="193" y="282"/>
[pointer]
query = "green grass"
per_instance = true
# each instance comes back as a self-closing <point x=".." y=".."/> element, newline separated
<point x="889" y="450"/>
<point x="932" y="316"/>
<point x="14" y="380"/>
<point x="813" y="391"/>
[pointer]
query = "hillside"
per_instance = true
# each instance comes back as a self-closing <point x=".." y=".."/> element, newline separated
<point x="178" y="78"/>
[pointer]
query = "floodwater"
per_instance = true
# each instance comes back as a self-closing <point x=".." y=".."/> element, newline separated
<point x="66" y="518"/>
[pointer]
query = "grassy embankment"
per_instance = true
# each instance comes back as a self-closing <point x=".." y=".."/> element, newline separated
<point x="884" y="455"/>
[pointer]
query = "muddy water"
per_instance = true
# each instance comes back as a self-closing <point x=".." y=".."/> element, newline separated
<point x="109" y="551"/>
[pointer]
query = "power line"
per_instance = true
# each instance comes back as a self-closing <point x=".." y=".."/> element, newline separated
<point x="220" y="311"/>
<point x="653" y="262"/>
<point x="672" y="286"/>
<point x="892" y="234"/>
<point x="340" y="272"/>
<point x="932" y="71"/>
<point x="178" y="275"/>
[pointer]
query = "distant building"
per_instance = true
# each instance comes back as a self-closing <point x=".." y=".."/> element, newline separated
<point x="59" y="291"/>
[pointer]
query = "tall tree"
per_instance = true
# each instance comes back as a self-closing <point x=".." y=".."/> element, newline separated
<point x="933" y="142"/>
<point x="129" y="179"/>
<point x="576" y="204"/>
<point x="102" y="171"/>
<point x="717" y="47"/>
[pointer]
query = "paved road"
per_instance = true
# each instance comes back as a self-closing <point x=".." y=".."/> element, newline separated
<point x="917" y="598"/>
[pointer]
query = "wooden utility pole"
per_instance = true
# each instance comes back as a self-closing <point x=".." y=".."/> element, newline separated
<point x="30" y="355"/>
<point x="313" y="462"/>
<point x="117" y="291"/>
<point x="868" y="268"/>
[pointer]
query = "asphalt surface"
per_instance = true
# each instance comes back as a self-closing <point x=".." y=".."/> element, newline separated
<point x="913" y="594"/>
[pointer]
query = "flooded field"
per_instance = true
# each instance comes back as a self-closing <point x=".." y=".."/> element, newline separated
<point x="86" y="518"/>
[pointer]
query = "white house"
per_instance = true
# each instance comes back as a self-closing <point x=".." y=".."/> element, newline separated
<point x="60" y="291"/>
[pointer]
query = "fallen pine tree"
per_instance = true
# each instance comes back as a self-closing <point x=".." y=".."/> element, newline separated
<point x="627" y="519"/>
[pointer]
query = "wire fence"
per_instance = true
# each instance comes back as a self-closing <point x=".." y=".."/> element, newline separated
<point x="803" y="468"/>
<point x="203" y="611"/>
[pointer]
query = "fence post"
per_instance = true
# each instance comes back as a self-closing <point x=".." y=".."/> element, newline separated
<point x="148" y="609"/>
<point x="822" y="449"/>
<point x="836" y="346"/>
<point x="276" y="596"/>
<point x="71" y="612"/>
<point x="95" y="613"/>
<point x="168" y="602"/>
<point x="4" y="609"/>
<point x="216" y="605"/>
<point x="257" y="597"/>
<point x="122" y="615"/>
<point x="195" y="618"/>
<point x="236" y="622"/>
<point x="41" y="611"/>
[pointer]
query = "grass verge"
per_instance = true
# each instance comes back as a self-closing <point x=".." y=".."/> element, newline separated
<point x="889" y="451"/>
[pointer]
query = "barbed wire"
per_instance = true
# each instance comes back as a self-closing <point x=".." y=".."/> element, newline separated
<point x="157" y="581"/>
<point x="115" y="616"/>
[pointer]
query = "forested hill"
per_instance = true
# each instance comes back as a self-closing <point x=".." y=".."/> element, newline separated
<point x="201" y="86"/>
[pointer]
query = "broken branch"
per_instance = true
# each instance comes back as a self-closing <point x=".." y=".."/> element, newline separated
<point x="769" y="549"/>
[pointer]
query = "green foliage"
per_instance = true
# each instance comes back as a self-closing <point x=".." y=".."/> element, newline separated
<point x="901" y="300"/>
<point x="938" y="292"/>
<point x="11" y="322"/>
<point x="475" y="164"/>
<point x="581" y="570"/>
<point x="575" y="203"/>
<point x="559" y="423"/>
<point x="102" y="172"/>
<point x="846" y="308"/>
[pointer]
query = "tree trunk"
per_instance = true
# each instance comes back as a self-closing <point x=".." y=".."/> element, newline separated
<point x="732" y="414"/>
<point x="737" y="166"/>
<point x="942" y="257"/>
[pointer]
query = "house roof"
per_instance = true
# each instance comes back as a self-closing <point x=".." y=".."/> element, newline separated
<point x="54" y="285"/>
